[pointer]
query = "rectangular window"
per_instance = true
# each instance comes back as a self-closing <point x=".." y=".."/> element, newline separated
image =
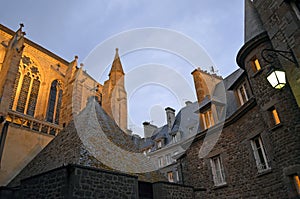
<point x="242" y="93"/>
<point x="170" y="176"/>
<point x="296" y="181"/>
<point x="217" y="171"/>
<point x="275" y="116"/>
<point x="255" y="65"/>
<point x="168" y="159"/>
<point x="160" y="162"/>
<point x="259" y="154"/>
<point x="207" y="118"/>
<point x="176" y="176"/>
<point x="174" y="138"/>
<point x="159" y="144"/>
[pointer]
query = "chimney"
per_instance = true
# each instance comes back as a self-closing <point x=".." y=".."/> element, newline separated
<point x="148" y="129"/>
<point x="187" y="103"/>
<point x="170" y="116"/>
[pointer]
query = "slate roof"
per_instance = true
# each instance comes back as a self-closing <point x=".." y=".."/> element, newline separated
<point x="253" y="23"/>
<point x="188" y="116"/>
<point x="230" y="98"/>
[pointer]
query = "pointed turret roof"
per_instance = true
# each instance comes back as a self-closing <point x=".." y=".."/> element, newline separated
<point x="116" y="65"/>
<point x="253" y="24"/>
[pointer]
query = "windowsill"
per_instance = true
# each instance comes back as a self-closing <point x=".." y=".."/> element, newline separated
<point x="257" y="72"/>
<point x="273" y="128"/>
<point x="220" y="186"/>
<point x="264" y="172"/>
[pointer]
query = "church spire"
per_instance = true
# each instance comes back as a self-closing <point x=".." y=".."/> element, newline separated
<point x="116" y="65"/>
<point x="253" y="24"/>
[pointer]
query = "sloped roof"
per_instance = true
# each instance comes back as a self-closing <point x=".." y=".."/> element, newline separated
<point x="229" y="95"/>
<point x="253" y="24"/>
<point x="82" y="143"/>
<point x="186" y="118"/>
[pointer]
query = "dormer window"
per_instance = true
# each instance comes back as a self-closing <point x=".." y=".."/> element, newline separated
<point x="207" y="119"/>
<point x="242" y="93"/>
<point x="176" y="137"/>
<point x="159" y="144"/>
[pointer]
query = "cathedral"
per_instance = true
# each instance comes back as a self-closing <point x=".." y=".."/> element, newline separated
<point x="40" y="94"/>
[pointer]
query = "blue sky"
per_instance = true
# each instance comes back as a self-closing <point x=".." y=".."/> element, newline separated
<point x="70" y="28"/>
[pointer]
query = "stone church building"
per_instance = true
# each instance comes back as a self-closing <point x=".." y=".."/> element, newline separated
<point x="246" y="145"/>
<point x="40" y="93"/>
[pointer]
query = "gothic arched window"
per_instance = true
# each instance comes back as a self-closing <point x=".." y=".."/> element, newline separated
<point x="26" y="89"/>
<point x="54" y="102"/>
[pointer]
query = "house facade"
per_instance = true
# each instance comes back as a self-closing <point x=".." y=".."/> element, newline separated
<point x="257" y="154"/>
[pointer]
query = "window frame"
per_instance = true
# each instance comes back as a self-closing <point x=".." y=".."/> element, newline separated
<point x="242" y="93"/>
<point x="260" y="156"/>
<point x="160" y="161"/>
<point x="168" y="159"/>
<point x="207" y="118"/>
<point x="170" y="176"/>
<point x="218" y="174"/>
<point x="296" y="183"/>
<point x="255" y="64"/>
<point x="275" y="116"/>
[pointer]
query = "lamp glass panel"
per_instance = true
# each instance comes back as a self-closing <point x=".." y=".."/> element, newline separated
<point x="281" y="76"/>
<point x="272" y="79"/>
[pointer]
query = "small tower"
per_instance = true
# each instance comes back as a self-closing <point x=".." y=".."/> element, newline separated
<point x="114" y="96"/>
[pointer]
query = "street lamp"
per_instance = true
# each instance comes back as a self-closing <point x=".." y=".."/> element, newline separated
<point x="275" y="76"/>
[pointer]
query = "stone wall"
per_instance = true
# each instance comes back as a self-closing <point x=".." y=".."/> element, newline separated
<point x="165" y="190"/>
<point x="74" y="181"/>
<point x="281" y="21"/>
<point x="53" y="184"/>
<point x="95" y="183"/>
<point x="241" y="174"/>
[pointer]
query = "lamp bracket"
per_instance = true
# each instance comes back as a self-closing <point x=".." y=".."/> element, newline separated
<point x="269" y="55"/>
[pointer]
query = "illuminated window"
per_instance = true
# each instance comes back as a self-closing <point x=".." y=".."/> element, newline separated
<point x="170" y="176"/>
<point x="217" y="171"/>
<point x="255" y="64"/>
<point x="275" y="116"/>
<point x="242" y="93"/>
<point x="296" y="182"/>
<point x="26" y="88"/>
<point x="54" y="102"/>
<point x="259" y="154"/>
<point x="207" y="118"/>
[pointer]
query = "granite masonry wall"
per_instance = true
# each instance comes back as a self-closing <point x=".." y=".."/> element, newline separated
<point x="74" y="181"/>
<point x="165" y="190"/>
